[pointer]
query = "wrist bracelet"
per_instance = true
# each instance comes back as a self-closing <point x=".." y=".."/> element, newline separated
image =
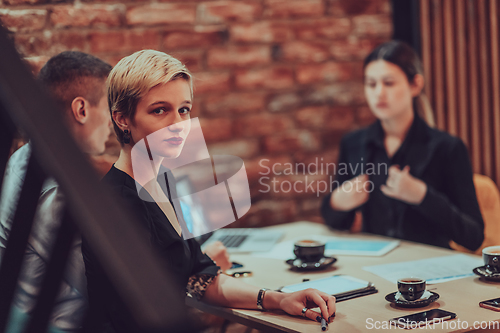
<point x="260" y="299"/>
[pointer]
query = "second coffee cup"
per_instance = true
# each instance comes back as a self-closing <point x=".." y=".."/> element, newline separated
<point x="309" y="250"/>
<point x="491" y="257"/>
<point x="411" y="288"/>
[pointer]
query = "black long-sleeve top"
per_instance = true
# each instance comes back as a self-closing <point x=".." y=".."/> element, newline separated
<point x="182" y="258"/>
<point x="449" y="210"/>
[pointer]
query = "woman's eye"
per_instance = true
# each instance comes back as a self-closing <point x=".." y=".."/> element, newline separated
<point x="389" y="83"/>
<point x="159" y="111"/>
<point x="371" y="84"/>
<point x="184" y="110"/>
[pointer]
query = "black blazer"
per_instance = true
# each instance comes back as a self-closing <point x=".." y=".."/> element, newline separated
<point x="449" y="210"/>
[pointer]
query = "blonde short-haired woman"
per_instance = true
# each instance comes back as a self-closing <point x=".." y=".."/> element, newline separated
<point x="150" y="91"/>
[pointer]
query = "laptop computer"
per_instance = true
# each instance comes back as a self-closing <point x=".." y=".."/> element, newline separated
<point x="245" y="239"/>
<point x="234" y="239"/>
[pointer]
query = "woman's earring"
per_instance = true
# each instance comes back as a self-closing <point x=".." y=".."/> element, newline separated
<point x="126" y="136"/>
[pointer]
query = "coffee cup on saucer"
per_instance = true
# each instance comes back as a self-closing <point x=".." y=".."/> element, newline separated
<point x="309" y="250"/>
<point x="491" y="257"/>
<point x="411" y="288"/>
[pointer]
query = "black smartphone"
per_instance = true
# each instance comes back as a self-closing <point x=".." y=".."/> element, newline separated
<point x="492" y="304"/>
<point x="236" y="265"/>
<point x="422" y="318"/>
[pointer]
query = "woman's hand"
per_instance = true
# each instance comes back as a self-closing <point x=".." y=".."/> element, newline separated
<point x="293" y="304"/>
<point x="218" y="253"/>
<point x="348" y="197"/>
<point x="403" y="186"/>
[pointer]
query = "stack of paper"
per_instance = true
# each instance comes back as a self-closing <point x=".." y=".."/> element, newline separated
<point x="434" y="270"/>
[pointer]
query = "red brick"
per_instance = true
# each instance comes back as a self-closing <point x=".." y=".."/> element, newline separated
<point x="340" y="118"/>
<point x="312" y="116"/>
<point x="330" y="28"/>
<point x="96" y="1"/>
<point x="227" y="11"/>
<point x="241" y="148"/>
<point x="113" y="59"/>
<point x="299" y="51"/>
<point x="266" y="166"/>
<point x="262" y="124"/>
<point x="333" y="138"/>
<point x="36" y="63"/>
<point x="161" y="13"/>
<point x="216" y="129"/>
<point x="209" y="82"/>
<point x="196" y="110"/>
<point x="194" y="1"/>
<point x="292" y="141"/>
<point x="316" y="218"/>
<point x="271" y="78"/>
<point x="364" y="116"/>
<point x="372" y="25"/>
<point x="123" y="41"/>
<point x="325" y="72"/>
<point x="333" y="118"/>
<point x="193" y="59"/>
<point x="319" y="163"/>
<point x="293" y="8"/>
<point x="23" y="20"/>
<point x="63" y="16"/>
<point x="343" y="94"/>
<point x="268" y="212"/>
<point x="284" y="102"/>
<point x="103" y="163"/>
<point x="263" y="31"/>
<point x="50" y="42"/>
<point x="238" y="56"/>
<point x="23" y="2"/>
<point x="200" y="37"/>
<point x="310" y="206"/>
<point x="296" y="186"/>
<point x="352" y="48"/>
<point x="234" y="103"/>
<point x="344" y="8"/>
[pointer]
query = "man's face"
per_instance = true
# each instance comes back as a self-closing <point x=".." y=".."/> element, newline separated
<point x="97" y="127"/>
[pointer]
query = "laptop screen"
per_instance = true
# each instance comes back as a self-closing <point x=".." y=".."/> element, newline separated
<point x="192" y="213"/>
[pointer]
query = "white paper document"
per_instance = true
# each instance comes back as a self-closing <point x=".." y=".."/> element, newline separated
<point x="284" y="250"/>
<point x="334" y="246"/>
<point x="332" y="285"/>
<point x="359" y="247"/>
<point x="434" y="270"/>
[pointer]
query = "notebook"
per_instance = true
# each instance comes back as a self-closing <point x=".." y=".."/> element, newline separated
<point x="343" y="287"/>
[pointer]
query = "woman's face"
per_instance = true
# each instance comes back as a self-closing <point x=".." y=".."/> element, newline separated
<point x="387" y="90"/>
<point x="165" y="111"/>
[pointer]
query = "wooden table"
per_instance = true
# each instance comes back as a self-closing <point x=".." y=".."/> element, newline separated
<point x="363" y="313"/>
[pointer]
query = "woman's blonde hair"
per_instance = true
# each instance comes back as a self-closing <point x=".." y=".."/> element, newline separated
<point x="135" y="75"/>
<point x="402" y="55"/>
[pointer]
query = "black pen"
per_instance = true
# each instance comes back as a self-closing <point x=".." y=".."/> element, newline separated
<point x="323" y="324"/>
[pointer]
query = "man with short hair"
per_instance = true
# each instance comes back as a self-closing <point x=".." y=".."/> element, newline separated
<point x="77" y="83"/>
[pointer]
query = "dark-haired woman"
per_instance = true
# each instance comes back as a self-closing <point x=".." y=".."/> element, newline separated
<point x="409" y="180"/>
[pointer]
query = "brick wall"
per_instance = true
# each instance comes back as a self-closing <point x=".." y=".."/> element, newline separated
<point x="277" y="81"/>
